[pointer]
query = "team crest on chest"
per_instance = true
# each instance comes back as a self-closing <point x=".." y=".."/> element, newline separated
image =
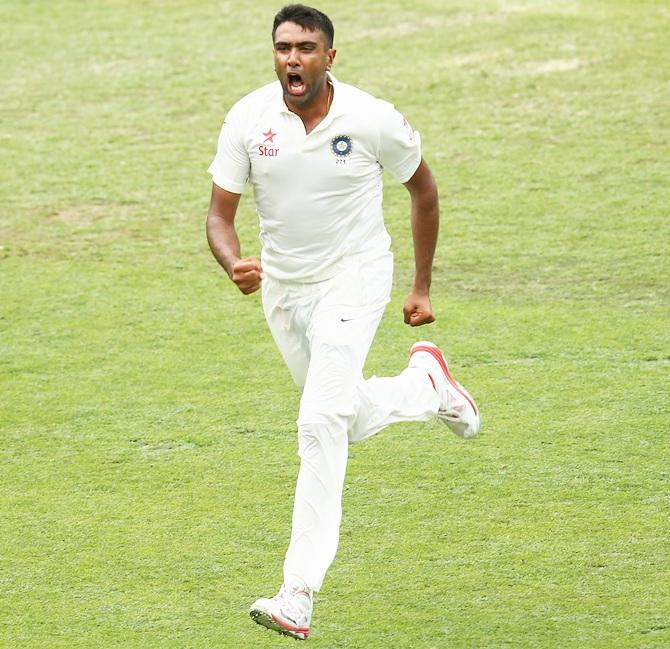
<point x="341" y="146"/>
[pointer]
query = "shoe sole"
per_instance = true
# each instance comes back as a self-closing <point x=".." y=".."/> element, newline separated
<point x="437" y="354"/>
<point x="270" y="622"/>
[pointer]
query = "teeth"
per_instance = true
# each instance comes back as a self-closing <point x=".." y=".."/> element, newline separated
<point x="295" y="83"/>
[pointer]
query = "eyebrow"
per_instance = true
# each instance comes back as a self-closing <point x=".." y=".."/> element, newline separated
<point x="299" y="43"/>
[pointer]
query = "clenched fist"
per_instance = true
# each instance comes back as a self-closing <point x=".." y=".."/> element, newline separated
<point x="247" y="274"/>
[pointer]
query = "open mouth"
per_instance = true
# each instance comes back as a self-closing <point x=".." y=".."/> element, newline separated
<point x="296" y="86"/>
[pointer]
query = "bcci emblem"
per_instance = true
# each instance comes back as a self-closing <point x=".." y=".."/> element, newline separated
<point x="341" y="146"/>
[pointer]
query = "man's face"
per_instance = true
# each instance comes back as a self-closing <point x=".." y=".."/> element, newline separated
<point x="301" y="60"/>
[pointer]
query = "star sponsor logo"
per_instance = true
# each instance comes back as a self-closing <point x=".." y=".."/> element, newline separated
<point x="341" y="146"/>
<point x="268" y="151"/>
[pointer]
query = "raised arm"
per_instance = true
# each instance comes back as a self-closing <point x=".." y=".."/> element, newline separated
<point x="245" y="272"/>
<point x="425" y="217"/>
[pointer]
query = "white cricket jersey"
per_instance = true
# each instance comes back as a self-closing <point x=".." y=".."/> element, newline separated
<point x="318" y="196"/>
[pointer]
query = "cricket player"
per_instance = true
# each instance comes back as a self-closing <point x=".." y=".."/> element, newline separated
<point x="314" y="150"/>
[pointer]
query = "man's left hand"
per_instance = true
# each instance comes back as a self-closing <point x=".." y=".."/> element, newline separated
<point x="418" y="310"/>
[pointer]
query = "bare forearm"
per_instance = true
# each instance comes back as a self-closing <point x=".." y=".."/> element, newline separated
<point x="425" y="219"/>
<point x="247" y="273"/>
<point x="223" y="242"/>
<point x="425" y="226"/>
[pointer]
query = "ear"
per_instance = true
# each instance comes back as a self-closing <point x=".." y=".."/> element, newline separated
<point x="330" y="57"/>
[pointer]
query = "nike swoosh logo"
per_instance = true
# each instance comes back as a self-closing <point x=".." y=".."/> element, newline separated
<point x="346" y="319"/>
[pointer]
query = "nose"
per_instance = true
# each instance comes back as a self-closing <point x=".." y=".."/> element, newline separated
<point x="293" y="56"/>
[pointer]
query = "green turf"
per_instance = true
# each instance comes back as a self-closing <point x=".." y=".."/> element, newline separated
<point x="148" y="450"/>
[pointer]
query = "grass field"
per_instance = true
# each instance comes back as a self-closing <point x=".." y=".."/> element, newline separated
<point x="148" y="449"/>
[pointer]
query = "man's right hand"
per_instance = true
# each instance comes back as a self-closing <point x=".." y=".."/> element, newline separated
<point x="247" y="274"/>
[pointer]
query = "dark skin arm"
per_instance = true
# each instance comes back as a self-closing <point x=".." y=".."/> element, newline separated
<point x="425" y="217"/>
<point x="245" y="272"/>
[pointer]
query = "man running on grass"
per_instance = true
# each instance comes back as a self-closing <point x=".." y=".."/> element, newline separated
<point x="314" y="150"/>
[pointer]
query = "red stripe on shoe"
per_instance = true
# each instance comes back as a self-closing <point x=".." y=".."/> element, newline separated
<point x="439" y="357"/>
<point x="288" y="627"/>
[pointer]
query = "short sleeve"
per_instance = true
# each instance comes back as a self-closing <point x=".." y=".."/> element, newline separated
<point x="399" y="144"/>
<point x="230" y="167"/>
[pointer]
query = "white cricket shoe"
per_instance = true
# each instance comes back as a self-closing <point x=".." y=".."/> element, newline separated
<point x="457" y="408"/>
<point x="288" y="612"/>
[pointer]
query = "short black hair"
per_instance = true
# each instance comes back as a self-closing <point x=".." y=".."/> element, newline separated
<point x="308" y="18"/>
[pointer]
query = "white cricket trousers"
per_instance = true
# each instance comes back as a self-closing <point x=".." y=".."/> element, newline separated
<point x="324" y="331"/>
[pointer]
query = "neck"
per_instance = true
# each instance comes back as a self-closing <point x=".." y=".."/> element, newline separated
<point x="313" y="114"/>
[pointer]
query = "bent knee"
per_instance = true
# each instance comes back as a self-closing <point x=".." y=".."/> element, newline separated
<point x="317" y="424"/>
